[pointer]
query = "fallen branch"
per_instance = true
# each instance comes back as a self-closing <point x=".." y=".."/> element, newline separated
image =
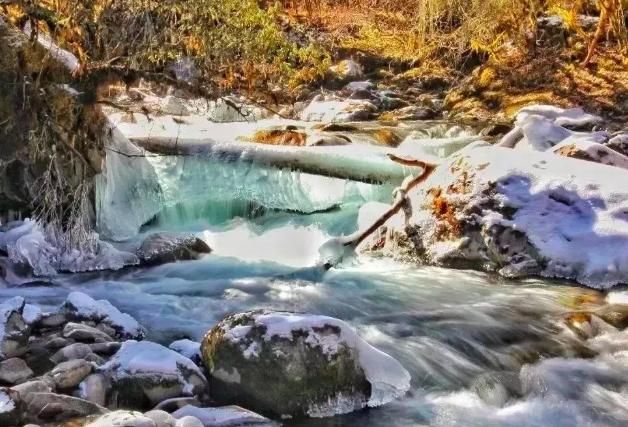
<point x="335" y="250"/>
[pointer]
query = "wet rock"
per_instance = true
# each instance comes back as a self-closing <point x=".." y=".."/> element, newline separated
<point x="31" y="314"/>
<point x="11" y="407"/>
<point x="14" y="331"/>
<point x="189" y="421"/>
<point x="81" y="307"/>
<point x="498" y="388"/>
<point x="295" y="365"/>
<point x="162" y="248"/>
<point x="614" y="314"/>
<point x="359" y="86"/>
<point x="142" y="374"/>
<point x="69" y="374"/>
<point x="38" y="359"/>
<point x="94" y="389"/>
<point x="83" y="333"/>
<point x="188" y="348"/>
<point x="161" y="418"/>
<point x="70" y="352"/>
<point x="122" y="419"/>
<point x="58" y="407"/>
<point x="35" y="386"/>
<point x="224" y="416"/>
<point x="14" y="371"/>
<point x="411" y="112"/>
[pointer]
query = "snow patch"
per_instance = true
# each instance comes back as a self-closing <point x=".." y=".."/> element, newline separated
<point x="188" y="348"/>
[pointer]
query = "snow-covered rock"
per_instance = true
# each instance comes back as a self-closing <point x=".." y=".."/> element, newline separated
<point x="334" y="110"/>
<point x="540" y="214"/>
<point x="188" y="348"/>
<point x="79" y="306"/>
<point x="290" y="364"/>
<point x="174" y="106"/>
<point x="224" y="416"/>
<point x="359" y="86"/>
<point x="144" y="373"/>
<point x="14" y="330"/>
<point x="619" y="143"/>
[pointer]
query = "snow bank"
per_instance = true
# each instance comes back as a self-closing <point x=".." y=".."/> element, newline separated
<point x="80" y="306"/>
<point x="538" y="213"/>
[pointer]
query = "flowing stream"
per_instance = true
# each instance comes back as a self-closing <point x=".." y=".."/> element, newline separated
<point x="482" y="351"/>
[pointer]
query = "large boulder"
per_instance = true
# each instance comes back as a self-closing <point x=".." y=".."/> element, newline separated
<point x="143" y="374"/>
<point x="162" y="248"/>
<point x="285" y="364"/>
<point x="493" y="209"/>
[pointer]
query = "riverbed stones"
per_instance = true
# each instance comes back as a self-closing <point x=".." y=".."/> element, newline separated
<point x="14" y="371"/>
<point x="69" y="374"/>
<point x="70" y="352"/>
<point x="162" y="248"/>
<point x="337" y="111"/>
<point x="142" y="374"/>
<point x="286" y="364"/>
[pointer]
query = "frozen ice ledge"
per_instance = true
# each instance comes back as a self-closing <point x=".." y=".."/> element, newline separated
<point x="155" y="164"/>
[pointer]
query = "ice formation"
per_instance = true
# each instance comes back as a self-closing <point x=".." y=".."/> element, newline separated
<point x="31" y="245"/>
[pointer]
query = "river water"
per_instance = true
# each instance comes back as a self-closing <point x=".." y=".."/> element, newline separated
<point x="482" y="351"/>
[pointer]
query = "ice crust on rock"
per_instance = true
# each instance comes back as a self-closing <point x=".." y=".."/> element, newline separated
<point x="389" y="380"/>
<point x="81" y="306"/>
<point x="29" y="244"/>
